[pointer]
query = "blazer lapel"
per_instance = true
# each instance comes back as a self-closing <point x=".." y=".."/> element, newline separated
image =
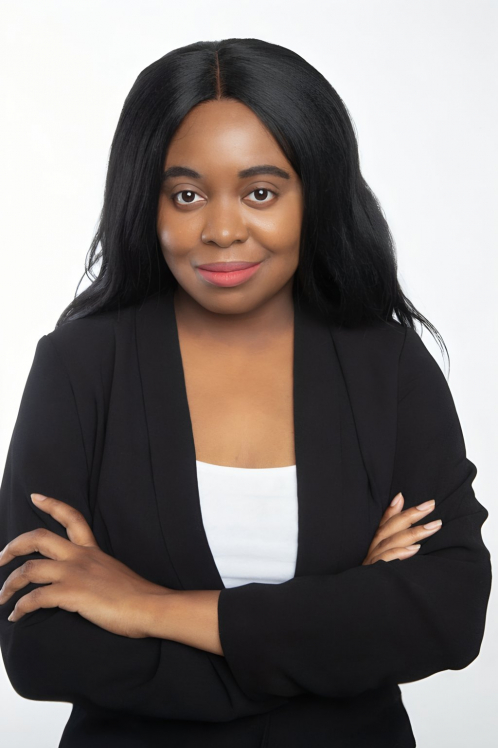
<point x="368" y="356"/>
<point x="172" y="448"/>
<point x="317" y="424"/>
<point x="318" y="388"/>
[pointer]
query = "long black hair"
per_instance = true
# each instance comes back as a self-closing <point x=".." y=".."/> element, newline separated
<point x="347" y="260"/>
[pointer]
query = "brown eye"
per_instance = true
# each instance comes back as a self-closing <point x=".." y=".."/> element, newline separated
<point x="187" y="197"/>
<point x="262" y="193"/>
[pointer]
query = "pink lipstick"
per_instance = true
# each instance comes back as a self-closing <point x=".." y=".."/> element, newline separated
<point x="228" y="273"/>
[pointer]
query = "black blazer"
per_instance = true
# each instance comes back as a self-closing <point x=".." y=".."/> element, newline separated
<point x="104" y="425"/>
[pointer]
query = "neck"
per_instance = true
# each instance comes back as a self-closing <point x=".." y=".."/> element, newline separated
<point x="258" y="326"/>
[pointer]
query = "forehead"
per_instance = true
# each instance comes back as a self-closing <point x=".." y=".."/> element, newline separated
<point x="223" y="133"/>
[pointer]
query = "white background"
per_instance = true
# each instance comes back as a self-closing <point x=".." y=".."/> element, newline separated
<point x="419" y="80"/>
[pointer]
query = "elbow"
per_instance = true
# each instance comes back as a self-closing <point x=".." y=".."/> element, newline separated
<point x="24" y="660"/>
<point x="464" y="657"/>
<point x="25" y="684"/>
<point x="472" y="620"/>
<point x="468" y="647"/>
<point x="25" y="681"/>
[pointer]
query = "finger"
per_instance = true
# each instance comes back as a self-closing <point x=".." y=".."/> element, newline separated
<point x="394" y="508"/>
<point x="404" y="519"/>
<point x="33" y="570"/>
<point x="393" y="553"/>
<point x="72" y="519"/>
<point x="49" y="596"/>
<point x="384" y="535"/>
<point x="408" y="537"/>
<point x="40" y="540"/>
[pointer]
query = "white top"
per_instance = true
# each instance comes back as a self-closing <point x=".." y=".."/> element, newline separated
<point x="250" y="516"/>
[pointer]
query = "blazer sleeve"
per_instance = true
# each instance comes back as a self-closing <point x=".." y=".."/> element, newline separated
<point x="389" y="622"/>
<point x="54" y="655"/>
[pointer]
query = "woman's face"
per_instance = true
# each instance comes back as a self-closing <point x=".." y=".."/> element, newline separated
<point x="210" y="211"/>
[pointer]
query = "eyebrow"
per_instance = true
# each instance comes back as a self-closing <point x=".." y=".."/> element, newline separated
<point x="183" y="171"/>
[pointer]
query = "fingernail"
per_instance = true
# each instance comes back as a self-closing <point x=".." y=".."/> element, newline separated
<point x="11" y="616"/>
<point x="433" y="525"/>
<point x="414" y="547"/>
<point x="38" y="497"/>
<point x="426" y="505"/>
<point x="396" y="499"/>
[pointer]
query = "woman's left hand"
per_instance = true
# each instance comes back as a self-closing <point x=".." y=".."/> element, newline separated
<point x="83" y="578"/>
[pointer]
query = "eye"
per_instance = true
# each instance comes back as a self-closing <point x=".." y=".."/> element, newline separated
<point x="187" y="196"/>
<point x="188" y="193"/>
<point x="265" y="192"/>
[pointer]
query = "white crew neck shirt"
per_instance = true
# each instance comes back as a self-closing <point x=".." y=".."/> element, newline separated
<point x="250" y="516"/>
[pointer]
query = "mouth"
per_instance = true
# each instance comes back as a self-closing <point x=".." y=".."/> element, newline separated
<point x="226" y="267"/>
<point x="228" y="274"/>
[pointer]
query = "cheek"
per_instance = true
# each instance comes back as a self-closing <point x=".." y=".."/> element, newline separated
<point x="175" y="237"/>
<point x="281" y="233"/>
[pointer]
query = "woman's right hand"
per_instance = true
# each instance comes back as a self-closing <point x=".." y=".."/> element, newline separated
<point x="395" y="536"/>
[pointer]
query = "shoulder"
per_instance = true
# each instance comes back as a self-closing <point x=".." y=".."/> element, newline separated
<point x="387" y="350"/>
<point x="420" y="371"/>
<point x="388" y="336"/>
<point x="415" y="360"/>
<point x="76" y="332"/>
<point x="89" y="342"/>
<point x="417" y="368"/>
<point x="85" y="349"/>
<point x="375" y="345"/>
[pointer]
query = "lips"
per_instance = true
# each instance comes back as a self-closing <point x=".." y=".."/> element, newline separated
<point x="231" y="273"/>
<point x="226" y="267"/>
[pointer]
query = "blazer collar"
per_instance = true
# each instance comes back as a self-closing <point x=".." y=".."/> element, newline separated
<point x="326" y="358"/>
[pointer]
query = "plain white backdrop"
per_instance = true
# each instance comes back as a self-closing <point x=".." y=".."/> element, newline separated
<point x="418" y="77"/>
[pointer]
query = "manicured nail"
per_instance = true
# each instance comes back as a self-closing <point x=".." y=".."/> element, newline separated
<point x="38" y="497"/>
<point x="433" y="525"/>
<point x="396" y="499"/>
<point x="426" y="505"/>
<point x="10" y="617"/>
<point x="414" y="547"/>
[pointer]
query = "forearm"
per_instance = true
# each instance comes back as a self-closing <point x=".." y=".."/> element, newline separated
<point x="186" y="616"/>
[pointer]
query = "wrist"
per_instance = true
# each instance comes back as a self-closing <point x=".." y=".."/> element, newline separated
<point x="186" y="616"/>
<point x="158" y="613"/>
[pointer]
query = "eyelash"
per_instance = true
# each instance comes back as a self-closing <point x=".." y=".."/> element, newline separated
<point x="262" y="202"/>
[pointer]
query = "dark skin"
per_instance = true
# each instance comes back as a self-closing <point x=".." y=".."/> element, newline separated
<point x="235" y="341"/>
<point x="246" y="328"/>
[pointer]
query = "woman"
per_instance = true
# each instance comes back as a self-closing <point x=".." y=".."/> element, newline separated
<point x="258" y="515"/>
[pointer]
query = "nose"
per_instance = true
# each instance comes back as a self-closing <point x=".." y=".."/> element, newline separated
<point x="224" y="223"/>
